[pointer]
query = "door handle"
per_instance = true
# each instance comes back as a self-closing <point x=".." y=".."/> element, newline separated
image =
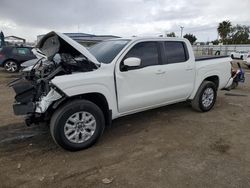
<point x="189" y="68"/>
<point x="160" y="72"/>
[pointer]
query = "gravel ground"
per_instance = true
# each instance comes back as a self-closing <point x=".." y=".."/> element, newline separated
<point x="172" y="146"/>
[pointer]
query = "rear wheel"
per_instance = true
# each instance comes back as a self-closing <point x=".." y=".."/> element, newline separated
<point x="77" y="125"/>
<point x="205" y="97"/>
<point x="11" y="66"/>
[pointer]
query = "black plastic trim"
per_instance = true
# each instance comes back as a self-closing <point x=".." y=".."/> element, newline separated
<point x="24" y="109"/>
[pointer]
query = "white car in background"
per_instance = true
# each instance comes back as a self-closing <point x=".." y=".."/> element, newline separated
<point x="243" y="55"/>
<point x="247" y="62"/>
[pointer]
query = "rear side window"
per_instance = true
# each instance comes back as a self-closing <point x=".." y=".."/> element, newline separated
<point x="22" y="51"/>
<point x="147" y="52"/>
<point x="176" y="52"/>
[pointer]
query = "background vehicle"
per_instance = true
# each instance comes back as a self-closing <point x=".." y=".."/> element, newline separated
<point x="12" y="56"/>
<point x="247" y="62"/>
<point x="240" y="55"/>
<point x="86" y="90"/>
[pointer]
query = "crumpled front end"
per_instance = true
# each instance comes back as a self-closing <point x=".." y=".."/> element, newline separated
<point x="35" y="92"/>
<point x="32" y="100"/>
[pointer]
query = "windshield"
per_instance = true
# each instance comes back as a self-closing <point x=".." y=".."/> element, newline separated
<point x="106" y="51"/>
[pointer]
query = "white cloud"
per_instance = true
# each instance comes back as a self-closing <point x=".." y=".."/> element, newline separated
<point x="29" y="18"/>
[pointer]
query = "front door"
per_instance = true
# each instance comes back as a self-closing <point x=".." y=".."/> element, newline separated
<point x="140" y="87"/>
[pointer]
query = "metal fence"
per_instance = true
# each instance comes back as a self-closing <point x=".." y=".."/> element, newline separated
<point x="219" y="49"/>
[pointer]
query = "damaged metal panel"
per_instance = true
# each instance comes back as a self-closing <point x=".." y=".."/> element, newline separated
<point x="46" y="101"/>
<point x="57" y="55"/>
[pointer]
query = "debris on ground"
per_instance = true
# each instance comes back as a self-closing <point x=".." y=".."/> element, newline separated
<point x="18" y="165"/>
<point x="107" y="180"/>
<point x="41" y="178"/>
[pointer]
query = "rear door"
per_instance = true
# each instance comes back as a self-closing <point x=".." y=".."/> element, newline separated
<point x="179" y="71"/>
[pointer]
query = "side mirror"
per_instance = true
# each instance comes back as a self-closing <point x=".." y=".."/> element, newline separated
<point x="132" y="62"/>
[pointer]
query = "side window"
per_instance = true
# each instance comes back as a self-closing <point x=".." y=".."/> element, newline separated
<point x="147" y="52"/>
<point x="176" y="52"/>
<point x="23" y="51"/>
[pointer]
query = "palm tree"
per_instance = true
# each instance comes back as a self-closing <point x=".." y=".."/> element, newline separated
<point x="224" y="29"/>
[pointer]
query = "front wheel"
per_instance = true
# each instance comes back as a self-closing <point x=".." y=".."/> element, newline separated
<point x="77" y="125"/>
<point x="205" y="97"/>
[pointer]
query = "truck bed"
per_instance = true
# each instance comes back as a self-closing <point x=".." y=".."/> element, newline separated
<point x="208" y="57"/>
<point x="219" y="65"/>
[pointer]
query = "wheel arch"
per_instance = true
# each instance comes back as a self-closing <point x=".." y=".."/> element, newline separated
<point x="95" y="97"/>
<point x="215" y="79"/>
<point x="11" y="59"/>
<point x="211" y="77"/>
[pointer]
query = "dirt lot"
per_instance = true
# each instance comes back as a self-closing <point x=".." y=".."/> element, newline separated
<point x="172" y="146"/>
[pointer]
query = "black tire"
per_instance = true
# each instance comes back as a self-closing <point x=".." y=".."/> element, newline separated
<point x="197" y="102"/>
<point x="241" y="57"/>
<point x="61" y="116"/>
<point x="234" y="85"/>
<point x="232" y="56"/>
<point x="11" y="66"/>
<point x="217" y="52"/>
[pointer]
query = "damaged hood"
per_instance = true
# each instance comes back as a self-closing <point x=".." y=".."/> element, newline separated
<point x="55" y="42"/>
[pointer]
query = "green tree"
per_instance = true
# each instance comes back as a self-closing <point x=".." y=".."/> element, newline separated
<point x="215" y="42"/>
<point x="224" y="29"/>
<point x="240" y="34"/>
<point x="192" y="38"/>
<point x="172" y="34"/>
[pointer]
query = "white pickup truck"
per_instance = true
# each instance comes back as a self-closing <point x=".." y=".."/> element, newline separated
<point x="80" y="91"/>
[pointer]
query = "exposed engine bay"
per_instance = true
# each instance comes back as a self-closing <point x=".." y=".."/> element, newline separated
<point x="58" y="56"/>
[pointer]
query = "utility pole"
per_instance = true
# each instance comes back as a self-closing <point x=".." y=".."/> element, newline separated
<point x="181" y="30"/>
